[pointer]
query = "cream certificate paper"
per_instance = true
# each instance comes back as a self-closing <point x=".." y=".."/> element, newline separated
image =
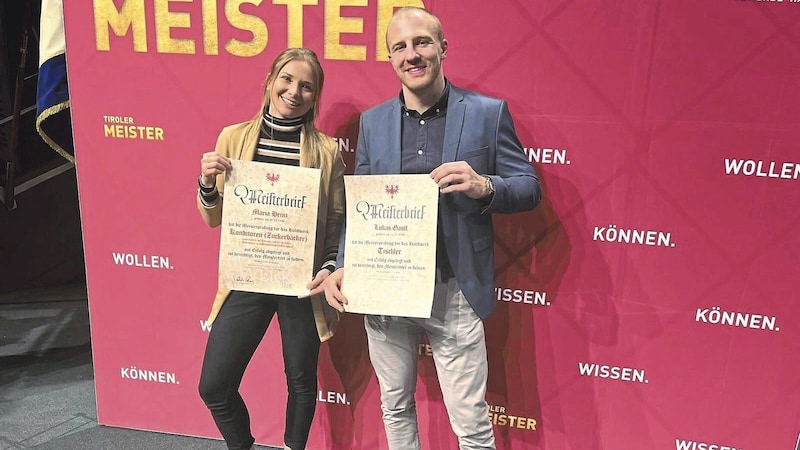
<point x="269" y="226"/>
<point x="390" y="244"/>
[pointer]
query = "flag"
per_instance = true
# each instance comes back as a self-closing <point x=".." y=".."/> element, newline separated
<point x="53" y="121"/>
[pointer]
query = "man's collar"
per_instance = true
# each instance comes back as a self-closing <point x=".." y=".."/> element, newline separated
<point x="438" y="108"/>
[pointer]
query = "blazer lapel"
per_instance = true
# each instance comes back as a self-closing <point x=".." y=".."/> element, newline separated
<point x="390" y="161"/>
<point x="454" y="123"/>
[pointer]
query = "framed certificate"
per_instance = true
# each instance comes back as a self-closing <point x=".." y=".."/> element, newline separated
<point x="390" y="244"/>
<point x="269" y="227"/>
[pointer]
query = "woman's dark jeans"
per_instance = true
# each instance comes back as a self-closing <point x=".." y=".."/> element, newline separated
<point x="234" y="337"/>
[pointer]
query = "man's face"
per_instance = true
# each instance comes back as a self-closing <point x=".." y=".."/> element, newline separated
<point x="415" y="51"/>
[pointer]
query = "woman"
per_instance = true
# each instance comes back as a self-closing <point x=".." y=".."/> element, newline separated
<point x="283" y="132"/>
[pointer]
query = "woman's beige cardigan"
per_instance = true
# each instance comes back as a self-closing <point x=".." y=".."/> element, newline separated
<point x="239" y="142"/>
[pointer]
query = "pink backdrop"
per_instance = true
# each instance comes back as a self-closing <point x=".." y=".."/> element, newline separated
<point x="650" y="301"/>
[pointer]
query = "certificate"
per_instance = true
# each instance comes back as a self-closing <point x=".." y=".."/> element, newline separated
<point x="269" y="227"/>
<point x="390" y="244"/>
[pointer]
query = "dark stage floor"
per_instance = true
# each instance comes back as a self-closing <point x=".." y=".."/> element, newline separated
<point x="47" y="398"/>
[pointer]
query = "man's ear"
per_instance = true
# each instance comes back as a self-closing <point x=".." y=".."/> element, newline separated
<point x="444" y="48"/>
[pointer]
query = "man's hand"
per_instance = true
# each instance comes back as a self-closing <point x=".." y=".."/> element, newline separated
<point x="332" y="286"/>
<point x="458" y="176"/>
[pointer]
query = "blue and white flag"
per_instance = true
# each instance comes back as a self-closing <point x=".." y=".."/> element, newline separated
<point x="53" y="120"/>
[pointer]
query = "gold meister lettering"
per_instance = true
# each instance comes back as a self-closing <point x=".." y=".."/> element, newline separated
<point x="210" y="33"/>
<point x="166" y="20"/>
<point x="130" y="17"/>
<point x="336" y="25"/>
<point x="130" y="20"/>
<point x="133" y="132"/>
<point x="246" y="22"/>
<point x="294" y="19"/>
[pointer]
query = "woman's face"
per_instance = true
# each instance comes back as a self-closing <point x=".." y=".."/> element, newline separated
<point x="293" y="91"/>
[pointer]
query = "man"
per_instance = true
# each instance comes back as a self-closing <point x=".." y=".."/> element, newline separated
<point x="467" y="143"/>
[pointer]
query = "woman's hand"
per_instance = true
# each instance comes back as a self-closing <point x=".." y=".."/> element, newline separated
<point x="313" y="285"/>
<point x="331" y="284"/>
<point x="211" y="165"/>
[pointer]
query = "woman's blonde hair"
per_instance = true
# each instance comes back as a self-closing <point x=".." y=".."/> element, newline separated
<point x="312" y="137"/>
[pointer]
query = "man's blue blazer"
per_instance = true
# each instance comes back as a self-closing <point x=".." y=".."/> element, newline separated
<point x="480" y="131"/>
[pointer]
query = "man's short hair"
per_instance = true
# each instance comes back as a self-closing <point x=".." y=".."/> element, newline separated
<point x="411" y="9"/>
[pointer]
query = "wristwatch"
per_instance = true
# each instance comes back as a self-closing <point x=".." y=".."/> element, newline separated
<point x="489" y="187"/>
